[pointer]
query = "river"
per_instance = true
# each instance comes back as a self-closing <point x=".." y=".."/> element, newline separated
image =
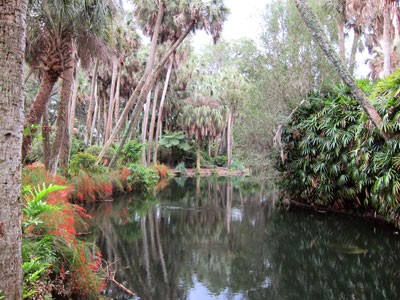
<point x="224" y="239"/>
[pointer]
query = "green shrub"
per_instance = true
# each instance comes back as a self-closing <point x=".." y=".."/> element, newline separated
<point x="95" y="151"/>
<point x="84" y="161"/>
<point x="76" y="146"/>
<point x="237" y="165"/>
<point x="333" y="156"/>
<point x="141" y="177"/>
<point x="221" y="160"/>
<point x="131" y="152"/>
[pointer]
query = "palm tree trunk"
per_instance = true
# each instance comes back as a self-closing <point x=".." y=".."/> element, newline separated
<point x="36" y="112"/>
<point x="198" y="156"/>
<point x="316" y="30"/>
<point x="73" y="108"/>
<point x="342" y="49"/>
<point x="140" y="92"/>
<point x="352" y="61"/>
<point x="160" y="110"/>
<point x="144" y="127"/>
<point x="91" y="115"/>
<point x="217" y="142"/>
<point x="104" y="102"/>
<point x="12" y="48"/>
<point x="229" y="140"/>
<point x="96" y="117"/>
<point x="152" y="122"/>
<point x="62" y="118"/>
<point x="46" y="129"/>
<point x="112" y="99"/>
<point x="386" y="45"/>
<point x="116" y="109"/>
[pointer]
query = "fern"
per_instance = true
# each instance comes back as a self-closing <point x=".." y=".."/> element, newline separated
<point x="36" y="205"/>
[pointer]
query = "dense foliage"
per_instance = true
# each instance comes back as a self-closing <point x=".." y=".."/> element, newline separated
<point x="333" y="156"/>
<point x="55" y="262"/>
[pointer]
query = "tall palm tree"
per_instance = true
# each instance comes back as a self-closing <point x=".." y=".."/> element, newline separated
<point x="319" y="36"/>
<point x="204" y="119"/>
<point x="188" y="16"/>
<point x="390" y="12"/>
<point x="378" y="20"/>
<point x="53" y="26"/>
<point x="12" y="44"/>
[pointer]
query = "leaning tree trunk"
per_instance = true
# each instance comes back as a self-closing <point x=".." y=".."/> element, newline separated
<point x="160" y="110"/>
<point x="36" y="112"/>
<point x="117" y="92"/>
<point x="141" y="85"/>
<point x="140" y="93"/>
<point x="134" y="120"/>
<point x="319" y="36"/>
<point x="12" y="47"/>
<point x="62" y="118"/>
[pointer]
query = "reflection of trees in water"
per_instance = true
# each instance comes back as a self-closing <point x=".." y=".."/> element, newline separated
<point x="158" y="249"/>
<point x="224" y="235"/>
<point x="330" y="258"/>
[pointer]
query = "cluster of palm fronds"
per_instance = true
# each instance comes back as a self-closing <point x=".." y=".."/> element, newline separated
<point x="333" y="156"/>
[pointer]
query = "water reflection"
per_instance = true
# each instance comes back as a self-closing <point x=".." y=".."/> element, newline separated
<point x="218" y="239"/>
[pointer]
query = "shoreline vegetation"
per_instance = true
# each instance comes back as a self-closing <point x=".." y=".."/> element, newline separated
<point x="331" y="157"/>
<point x="211" y="171"/>
<point x="109" y="113"/>
<point x="57" y="261"/>
<point x="55" y="253"/>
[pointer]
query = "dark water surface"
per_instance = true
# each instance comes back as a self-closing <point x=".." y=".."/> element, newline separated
<point x="219" y="239"/>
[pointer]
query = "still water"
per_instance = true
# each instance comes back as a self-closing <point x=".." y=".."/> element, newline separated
<point x="219" y="239"/>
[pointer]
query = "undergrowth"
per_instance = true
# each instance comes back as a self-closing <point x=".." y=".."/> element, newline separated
<point x="333" y="156"/>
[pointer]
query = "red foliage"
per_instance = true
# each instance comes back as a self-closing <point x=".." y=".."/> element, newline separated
<point x="36" y="174"/>
<point x="162" y="170"/>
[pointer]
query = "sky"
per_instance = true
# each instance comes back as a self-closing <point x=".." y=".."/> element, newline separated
<point x="244" y="20"/>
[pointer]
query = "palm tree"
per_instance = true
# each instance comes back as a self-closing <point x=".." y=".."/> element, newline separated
<point x="390" y="11"/>
<point x="204" y="119"/>
<point x="188" y="16"/>
<point x="12" y="45"/>
<point x="319" y="36"/>
<point x="378" y="20"/>
<point x="341" y="21"/>
<point x="53" y="27"/>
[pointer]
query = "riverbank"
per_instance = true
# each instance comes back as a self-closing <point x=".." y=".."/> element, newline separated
<point x="213" y="171"/>
<point x="57" y="261"/>
<point x="368" y="216"/>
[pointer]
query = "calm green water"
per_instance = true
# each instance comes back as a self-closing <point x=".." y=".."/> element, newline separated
<point x="224" y="240"/>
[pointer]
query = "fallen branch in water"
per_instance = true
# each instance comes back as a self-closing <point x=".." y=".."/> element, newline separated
<point x="125" y="289"/>
<point x="110" y="276"/>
